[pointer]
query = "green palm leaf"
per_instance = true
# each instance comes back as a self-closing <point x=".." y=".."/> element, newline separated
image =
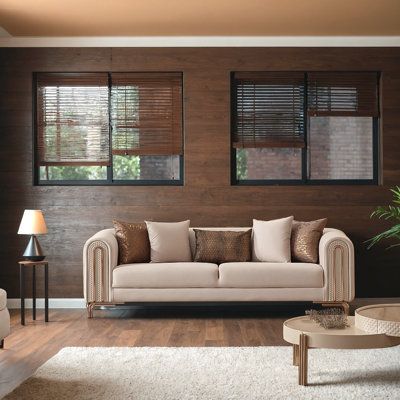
<point x="388" y="213"/>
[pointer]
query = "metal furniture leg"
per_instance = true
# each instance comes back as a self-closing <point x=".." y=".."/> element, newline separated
<point x="296" y="355"/>
<point x="303" y="360"/>
<point x="34" y="292"/>
<point x="21" y="292"/>
<point x="46" y="292"/>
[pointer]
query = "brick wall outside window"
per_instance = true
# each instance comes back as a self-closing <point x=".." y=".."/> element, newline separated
<point x="339" y="148"/>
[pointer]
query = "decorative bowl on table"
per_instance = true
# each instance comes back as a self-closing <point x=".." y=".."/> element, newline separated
<point x="329" y="318"/>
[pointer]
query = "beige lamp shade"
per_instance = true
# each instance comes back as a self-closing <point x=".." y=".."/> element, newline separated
<point x="32" y="223"/>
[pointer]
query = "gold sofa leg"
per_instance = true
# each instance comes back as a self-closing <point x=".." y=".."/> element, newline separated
<point x="89" y="308"/>
<point x="344" y="305"/>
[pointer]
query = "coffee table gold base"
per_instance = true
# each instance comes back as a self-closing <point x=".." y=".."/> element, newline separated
<point x="296" y="355"/>
<point x="300" y="359"/>
<point x="303" y="359"/>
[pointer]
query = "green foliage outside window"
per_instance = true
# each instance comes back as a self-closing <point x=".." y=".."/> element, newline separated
<point x="241" y="164"/>
<point x="60" y="173"/>
<point x="124" y="168"/>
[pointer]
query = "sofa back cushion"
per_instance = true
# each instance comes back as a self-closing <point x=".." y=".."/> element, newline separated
<point x="169" y="241"/>
<point x="133" y="242"/>
<point x="271" y="240"/>
<point x="222" y="246"/>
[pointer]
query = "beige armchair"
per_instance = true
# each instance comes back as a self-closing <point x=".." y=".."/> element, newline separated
<point x="4" y="317"/>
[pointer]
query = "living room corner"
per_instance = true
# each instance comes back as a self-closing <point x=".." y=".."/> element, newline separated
<point x="199" y="200"/>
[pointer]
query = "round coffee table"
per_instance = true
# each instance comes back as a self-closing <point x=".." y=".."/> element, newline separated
<point x="304" y="333"/>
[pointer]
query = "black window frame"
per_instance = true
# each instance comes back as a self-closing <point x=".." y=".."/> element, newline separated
<point x="304" y="151"/>
<point x="101" y="182"/>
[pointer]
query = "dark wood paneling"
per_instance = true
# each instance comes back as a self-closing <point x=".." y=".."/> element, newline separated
<point x="75" y="213"/>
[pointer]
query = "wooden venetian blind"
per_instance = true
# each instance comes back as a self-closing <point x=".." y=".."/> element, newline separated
<point x="343" y="94"/>
<point x="146" y="113"/>
<point x="72" y="119"/>
<point x="268" y="109"/>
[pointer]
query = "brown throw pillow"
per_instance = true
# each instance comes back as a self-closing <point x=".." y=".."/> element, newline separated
<point x="305" y="240"/>
<point x="133" y="242"/>
<point x="222" y="246"/>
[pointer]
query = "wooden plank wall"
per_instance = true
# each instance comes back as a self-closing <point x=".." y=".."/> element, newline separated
<point x="73" y="214"/>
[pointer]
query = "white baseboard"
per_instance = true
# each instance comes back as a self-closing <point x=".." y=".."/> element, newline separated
<point x="53" y="303"/>
<point x="81" y="303"/>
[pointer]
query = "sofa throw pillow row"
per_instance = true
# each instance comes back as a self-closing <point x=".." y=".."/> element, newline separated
<point x="280" y="240"/>
<point x="133" y="242"/>
<point x="305" y="240"/>
<point x="222" y="246"/>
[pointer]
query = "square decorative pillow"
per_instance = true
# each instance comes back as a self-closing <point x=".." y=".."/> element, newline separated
<point x="305" y="240"/>
<point x="133" y="242"/>
<point x="222" y="246"/>
<point x="271" y="240"/>
<point x="169" y="241"/>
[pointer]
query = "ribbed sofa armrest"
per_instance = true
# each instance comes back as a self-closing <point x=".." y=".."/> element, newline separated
<point x="100" y="257"/>
<point x="336" y="256"/>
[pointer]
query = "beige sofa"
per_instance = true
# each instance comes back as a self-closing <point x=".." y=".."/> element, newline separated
<point x="106" y="283"/>
<point x="4" y="317"/>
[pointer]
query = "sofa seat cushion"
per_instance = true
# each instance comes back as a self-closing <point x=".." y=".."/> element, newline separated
<point x="3" y="299"/>
<point x="270" y="275"/>
<point x="166" y="275"/>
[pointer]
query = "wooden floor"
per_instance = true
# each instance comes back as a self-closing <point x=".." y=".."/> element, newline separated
<point x="30" y="346"/>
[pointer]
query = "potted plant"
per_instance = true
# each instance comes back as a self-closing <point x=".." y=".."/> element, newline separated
<point x="391" y="212"/>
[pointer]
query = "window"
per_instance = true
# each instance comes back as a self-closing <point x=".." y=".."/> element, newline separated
<point x="100" y="128"/>
<point x="292" y="127"/>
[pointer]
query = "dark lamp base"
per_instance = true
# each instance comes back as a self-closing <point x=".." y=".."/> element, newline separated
<point x="34" y="258"/>
<point x="33" y="251"/>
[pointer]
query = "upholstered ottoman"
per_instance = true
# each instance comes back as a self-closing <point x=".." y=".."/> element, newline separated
<point x="4" y="317"/>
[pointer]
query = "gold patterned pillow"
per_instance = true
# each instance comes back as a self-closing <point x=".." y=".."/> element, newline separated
<point x="222" y="246"/>
<point x="133" y="242"/>
<point x="305" y="240"/>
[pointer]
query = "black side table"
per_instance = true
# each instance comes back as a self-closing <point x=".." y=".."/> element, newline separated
<point x="33" y="264"/>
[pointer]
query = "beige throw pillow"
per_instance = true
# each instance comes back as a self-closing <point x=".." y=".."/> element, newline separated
<point x="305" y="240"/>
<point x="271" y="240"/>
<point x="169" y="241"/>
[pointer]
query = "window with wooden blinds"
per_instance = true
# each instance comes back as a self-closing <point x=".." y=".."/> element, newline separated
<point x="146" y="113"/>
<point x="268" y="109"/>
<point x="72" y="119"/>
<point x="343" y="94"/>
<point x="305" y="127"/>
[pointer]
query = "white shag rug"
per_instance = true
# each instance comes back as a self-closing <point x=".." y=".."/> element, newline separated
<point x="197" y="373"/>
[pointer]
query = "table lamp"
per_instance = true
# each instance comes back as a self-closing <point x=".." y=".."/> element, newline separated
<point x="32" y="223"/>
